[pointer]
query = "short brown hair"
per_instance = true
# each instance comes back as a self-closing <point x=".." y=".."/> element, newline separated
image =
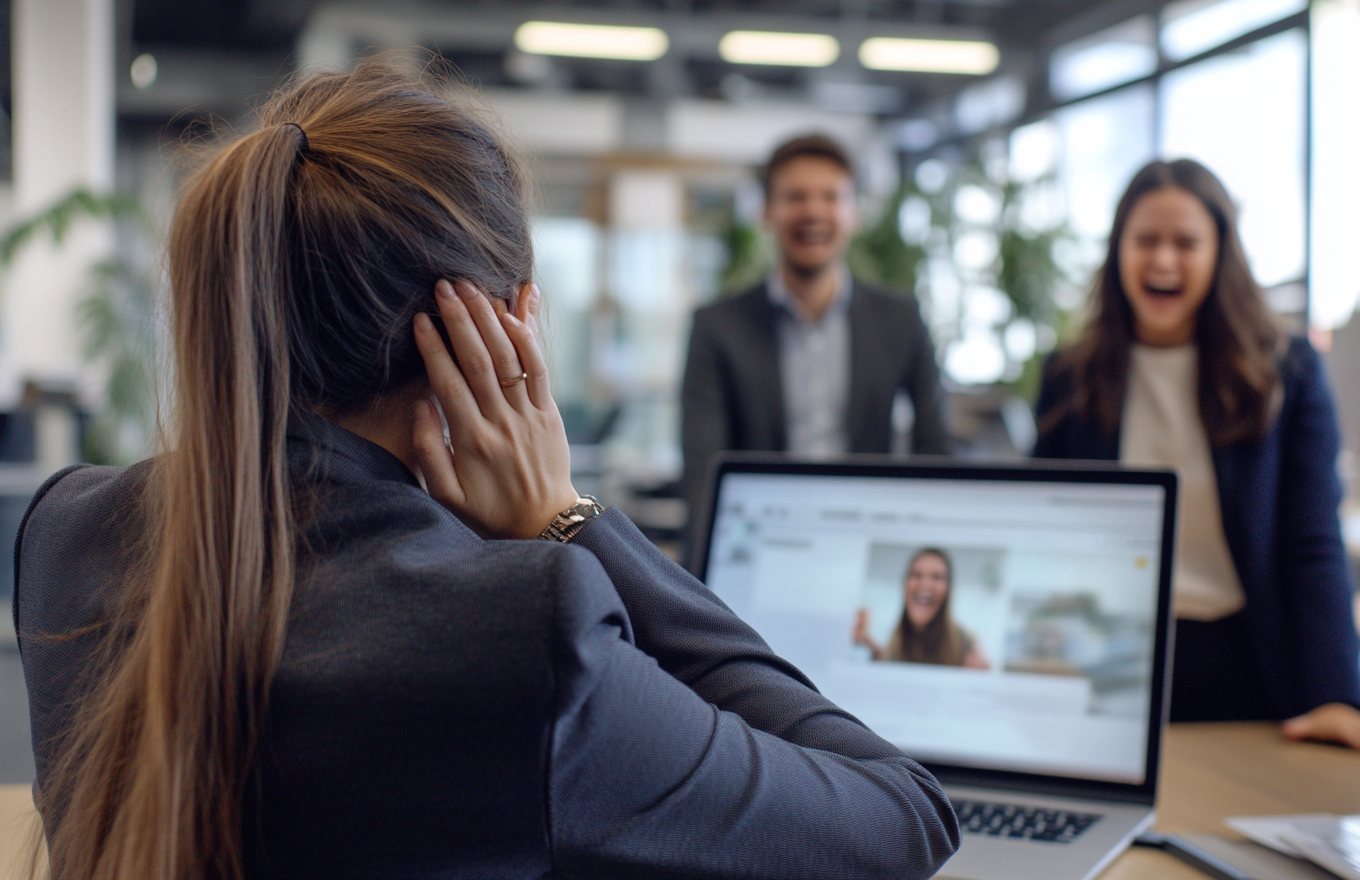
<point x="816" y="146"/>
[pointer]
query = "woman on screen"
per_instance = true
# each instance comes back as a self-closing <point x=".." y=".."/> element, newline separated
<point x="926" y="632"/>
<point x="1181" y="364"/>
<point x="318" y="636"/>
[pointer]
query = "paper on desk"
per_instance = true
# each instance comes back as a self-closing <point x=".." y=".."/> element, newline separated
<point x="1334" y="844"/>
<point x="1331" y="842"/>
<point x="1272" y="831"/>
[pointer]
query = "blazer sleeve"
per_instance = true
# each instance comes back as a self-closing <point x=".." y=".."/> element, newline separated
<point x="930" y="431"/>
<point x="650" y="777"/>
<point x="705" y="428"/>
<point x="696" y="638"/>
<point x="1313" y="567"/>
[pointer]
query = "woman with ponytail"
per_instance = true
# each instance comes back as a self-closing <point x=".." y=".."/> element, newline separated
<point x="317" y="636"/>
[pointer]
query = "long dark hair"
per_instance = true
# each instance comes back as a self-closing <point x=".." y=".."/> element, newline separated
<point x="1238" y="338"/>
<point x="298" y="258"/>
<point x="941" y="641"/>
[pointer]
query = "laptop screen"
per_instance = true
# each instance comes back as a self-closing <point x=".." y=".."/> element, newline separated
<point x="999" y="624"/>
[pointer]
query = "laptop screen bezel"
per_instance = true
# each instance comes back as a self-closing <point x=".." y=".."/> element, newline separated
<point x="1085" y="473"/>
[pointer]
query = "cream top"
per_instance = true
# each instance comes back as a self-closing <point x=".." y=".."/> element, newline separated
<point x="1162" y="428"/>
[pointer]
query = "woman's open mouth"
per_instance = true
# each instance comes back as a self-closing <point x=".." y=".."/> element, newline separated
<point x="1162" y="291"/>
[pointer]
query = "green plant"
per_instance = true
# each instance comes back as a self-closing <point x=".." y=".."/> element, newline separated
<point x="1026" y="270"/>
<point x="115" y="318"/>
<point x="749" y="257"/>
<point x="879" y="254"/>
<point x="1023" y="268"/>
<point x="56" y="220"/>
<point x="117" y="321"/>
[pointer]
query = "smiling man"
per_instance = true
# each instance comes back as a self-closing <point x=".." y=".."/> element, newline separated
<point x="809" y="361"/>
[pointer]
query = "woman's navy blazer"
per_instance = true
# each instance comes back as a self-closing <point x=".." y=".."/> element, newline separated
<point x="448" y="707"/>
<point x="1279" y="497"/>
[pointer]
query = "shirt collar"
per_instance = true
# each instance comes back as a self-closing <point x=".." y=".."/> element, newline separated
<point x="341" y="454"/>
<point x="781" y="296"/>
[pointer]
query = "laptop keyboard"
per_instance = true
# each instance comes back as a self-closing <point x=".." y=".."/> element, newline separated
<point x="1026" y="823"/>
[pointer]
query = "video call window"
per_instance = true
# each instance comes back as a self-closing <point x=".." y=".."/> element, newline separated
<point x="1019" y="638"/>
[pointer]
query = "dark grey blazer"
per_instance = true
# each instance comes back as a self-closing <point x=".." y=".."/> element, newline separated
<point x="453" y="707"/>
<point x="733" y="396"/>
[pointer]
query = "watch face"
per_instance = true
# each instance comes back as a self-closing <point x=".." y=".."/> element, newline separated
<point x="587" y="507"/>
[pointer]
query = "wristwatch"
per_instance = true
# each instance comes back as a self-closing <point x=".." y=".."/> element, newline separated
<point x="570" y="521"/>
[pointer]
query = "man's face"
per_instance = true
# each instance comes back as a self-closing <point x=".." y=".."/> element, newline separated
<point x="811" y="211"/>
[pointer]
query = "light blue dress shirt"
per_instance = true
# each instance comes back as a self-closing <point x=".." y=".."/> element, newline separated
<point x="814" y="366"/>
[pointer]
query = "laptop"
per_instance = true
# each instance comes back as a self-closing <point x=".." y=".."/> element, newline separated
<point x="1009" y="627"/>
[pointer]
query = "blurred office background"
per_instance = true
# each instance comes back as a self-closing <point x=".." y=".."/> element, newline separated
<point x="992" y="139"/>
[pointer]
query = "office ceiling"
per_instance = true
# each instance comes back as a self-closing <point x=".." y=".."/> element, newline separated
<point x="262" y="24"/>
<point x="216" y="55"/>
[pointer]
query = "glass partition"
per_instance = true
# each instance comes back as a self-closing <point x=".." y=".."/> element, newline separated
<point x="1243" y="114"/>
<point x="1334" y="264"/>
<point x="1192" y="27"/>
<point x="1112" y="57"/>
<point x="1103" y="142"/>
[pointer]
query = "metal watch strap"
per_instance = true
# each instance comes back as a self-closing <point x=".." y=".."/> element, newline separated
<point x="570" y="521"/>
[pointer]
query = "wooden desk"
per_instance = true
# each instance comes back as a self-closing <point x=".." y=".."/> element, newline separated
<point x="1214" y="770"/>
<point x="1208" y="771"/>
<point x="16" y="807"/>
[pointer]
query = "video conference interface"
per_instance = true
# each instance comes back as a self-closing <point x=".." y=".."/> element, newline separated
<point x="989" y="624"/>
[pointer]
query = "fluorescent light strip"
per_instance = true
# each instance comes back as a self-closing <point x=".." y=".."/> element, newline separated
<point x="779" y="49"/>
<point x="591" y="40"/>
<point x="929" y="56"/>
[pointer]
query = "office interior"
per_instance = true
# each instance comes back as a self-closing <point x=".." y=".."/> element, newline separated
<point x="989" y="156"/>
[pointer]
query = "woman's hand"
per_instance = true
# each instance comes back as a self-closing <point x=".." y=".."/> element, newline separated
<point x="860" y="635"/>
<point x="506" y="470"/>
<point x="1330" y="722"/>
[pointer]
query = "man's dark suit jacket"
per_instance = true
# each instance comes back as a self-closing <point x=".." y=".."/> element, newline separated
<point x="453" y="707"/>
<point x="733" y="396"/>
<point x="1279" y="497"/>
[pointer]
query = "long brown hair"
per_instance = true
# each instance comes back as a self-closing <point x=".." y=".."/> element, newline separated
<point x="298" y="258"/>
<point x="1237" y="336"/>
<point x="940" y="641"/>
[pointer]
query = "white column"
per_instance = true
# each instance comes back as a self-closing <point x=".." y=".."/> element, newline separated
<point x="63" y="88"/>
<point x="647" y="283"/>
<point x="1334" y="270"/>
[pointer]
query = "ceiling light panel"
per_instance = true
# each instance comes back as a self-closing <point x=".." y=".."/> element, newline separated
<point x="779" y="49"/>
<point x="929" y="56"/>
<point x="591" y="40"/>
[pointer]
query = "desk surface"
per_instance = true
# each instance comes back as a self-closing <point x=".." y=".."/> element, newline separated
<point x="1208" y="771"/>
<point x="16" y="806"/>
<point x="1214" y="770"/>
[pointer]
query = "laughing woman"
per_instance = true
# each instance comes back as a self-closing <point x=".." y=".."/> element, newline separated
<point x="1182" y="365"/>
<point x="926" y="631"/>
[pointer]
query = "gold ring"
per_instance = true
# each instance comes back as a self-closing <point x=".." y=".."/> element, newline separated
<point x="506" y="383"/>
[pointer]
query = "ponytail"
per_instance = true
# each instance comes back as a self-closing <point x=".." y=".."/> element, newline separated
<point x="158" y="767"/>
<point x="298" y="259"/>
